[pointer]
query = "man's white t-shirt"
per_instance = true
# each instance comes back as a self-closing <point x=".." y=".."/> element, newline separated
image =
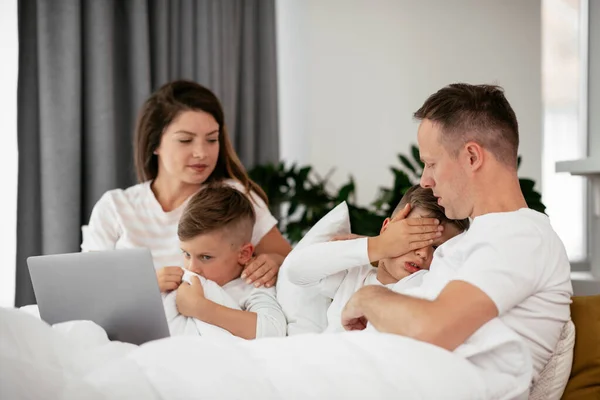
<point x="133" y="218"/>
<point x="518" y="260"/>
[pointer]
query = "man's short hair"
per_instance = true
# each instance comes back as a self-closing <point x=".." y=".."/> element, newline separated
<point x="217" y="207"/>
<point x="419" y="197"/>
<point x="478" y="113"/>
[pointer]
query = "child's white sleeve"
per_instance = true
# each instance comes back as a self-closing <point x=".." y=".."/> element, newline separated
<point x="270" y="320"/>
<point x="315" y="264"/>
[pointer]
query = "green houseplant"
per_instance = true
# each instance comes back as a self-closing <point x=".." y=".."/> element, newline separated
<point x="299" y="197"/>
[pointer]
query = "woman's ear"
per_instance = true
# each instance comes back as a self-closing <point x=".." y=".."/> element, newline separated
<point x="384" y="226"/>
<point x="246" y="252"/>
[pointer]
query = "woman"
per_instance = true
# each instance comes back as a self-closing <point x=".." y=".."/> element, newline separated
<point x="181" y="143"/>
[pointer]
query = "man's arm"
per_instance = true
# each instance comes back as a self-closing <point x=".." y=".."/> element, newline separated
<point x="447" y="321"/>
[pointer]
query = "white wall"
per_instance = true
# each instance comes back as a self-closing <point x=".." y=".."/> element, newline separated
<point x="352" y="72"/>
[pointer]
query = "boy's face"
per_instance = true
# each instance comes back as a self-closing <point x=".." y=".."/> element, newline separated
<point x="393" y="269"/>
<point x="216" y="256"/>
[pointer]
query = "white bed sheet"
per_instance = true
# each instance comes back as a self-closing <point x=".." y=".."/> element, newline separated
<point x="75" y="360"/>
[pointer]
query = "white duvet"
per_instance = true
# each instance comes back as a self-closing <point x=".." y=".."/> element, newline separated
<point x="75" y="360"/>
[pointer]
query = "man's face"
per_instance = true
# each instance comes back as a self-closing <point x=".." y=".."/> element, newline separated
<point x="443" y="172"/>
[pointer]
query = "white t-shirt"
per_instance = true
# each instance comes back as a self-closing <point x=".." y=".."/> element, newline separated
<point x="133" y="218"/>
<point x="337" y="270"/>
<point x="517" y="259"/>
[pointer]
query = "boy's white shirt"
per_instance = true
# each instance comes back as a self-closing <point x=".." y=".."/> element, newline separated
<point x="339" y="276"/>
<point x="237" y="295"/>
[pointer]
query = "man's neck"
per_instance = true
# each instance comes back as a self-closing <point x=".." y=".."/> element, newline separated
<point x="171" y="194"/>
<point x="498" y="192"/>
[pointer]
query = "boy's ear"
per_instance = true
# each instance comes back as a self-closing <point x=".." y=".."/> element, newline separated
<point x="384" y="226"/>
<point x="246" y="252"/>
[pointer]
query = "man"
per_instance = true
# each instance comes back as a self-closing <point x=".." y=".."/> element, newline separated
<point x="510" y="264"/>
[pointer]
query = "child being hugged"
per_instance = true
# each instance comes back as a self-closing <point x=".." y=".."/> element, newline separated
<point x="339" y="268"/>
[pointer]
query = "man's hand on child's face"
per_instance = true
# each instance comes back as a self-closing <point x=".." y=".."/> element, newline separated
<point x="169" y="278"/>
<point x="262" y="270"/>
<point x="190" y="297"/>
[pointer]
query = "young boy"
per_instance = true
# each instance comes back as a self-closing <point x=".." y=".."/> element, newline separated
<point x="215" y="232"/>
<point x="340" y="278"/>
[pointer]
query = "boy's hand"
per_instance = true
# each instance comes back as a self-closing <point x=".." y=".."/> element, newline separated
<point x="190" y="298"/>
<point x="403" y="235"/>
<point x="262" y="270"/>
<point x="169" y="278"/>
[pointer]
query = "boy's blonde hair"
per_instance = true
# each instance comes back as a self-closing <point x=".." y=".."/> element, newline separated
<point x="217" y="207"/>
<point x="420" y="197"/>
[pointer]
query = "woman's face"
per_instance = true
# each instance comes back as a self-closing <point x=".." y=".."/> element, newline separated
<point x="189" y="148"/>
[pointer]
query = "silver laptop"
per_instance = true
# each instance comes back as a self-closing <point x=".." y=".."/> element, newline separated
<point x="115" y="289"/>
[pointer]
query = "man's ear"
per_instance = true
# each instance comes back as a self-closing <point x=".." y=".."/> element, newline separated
<point x="384" y="226"/>
<point x="246" y="252"/>
<point x="474" y="154"/>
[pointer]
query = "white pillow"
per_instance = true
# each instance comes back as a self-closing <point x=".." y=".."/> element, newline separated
<point x="305" y="308"/>
<point x="552" y="381"/>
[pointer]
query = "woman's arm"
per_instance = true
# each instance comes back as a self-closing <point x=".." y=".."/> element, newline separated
<point x="273" y="243"/>
<point x="102" y="232"/>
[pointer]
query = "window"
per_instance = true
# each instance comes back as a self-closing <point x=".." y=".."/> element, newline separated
<point x="565" y="133"/>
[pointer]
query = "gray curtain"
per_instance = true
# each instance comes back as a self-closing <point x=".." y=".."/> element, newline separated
<point x="85" y="68"/>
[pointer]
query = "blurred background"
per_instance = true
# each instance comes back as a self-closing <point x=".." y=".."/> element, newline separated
<point x="318" y="96"/>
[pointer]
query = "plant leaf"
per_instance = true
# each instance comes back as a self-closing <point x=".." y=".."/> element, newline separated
<point x="417" y="156"/>
<point x="407" y="164"/>
<point x="527" y="185"/>
<point x="345" y="191"/>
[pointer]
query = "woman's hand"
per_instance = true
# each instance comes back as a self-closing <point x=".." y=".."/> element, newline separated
<point x="262" y="270"/>
<point x="169" y="278"/>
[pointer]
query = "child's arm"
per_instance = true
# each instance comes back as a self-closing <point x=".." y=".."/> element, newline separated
<point x="313" y="264"/>
<point x="270" y="320"/>
<point x="239" y="323"/>
<point x="263" y="315"/>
